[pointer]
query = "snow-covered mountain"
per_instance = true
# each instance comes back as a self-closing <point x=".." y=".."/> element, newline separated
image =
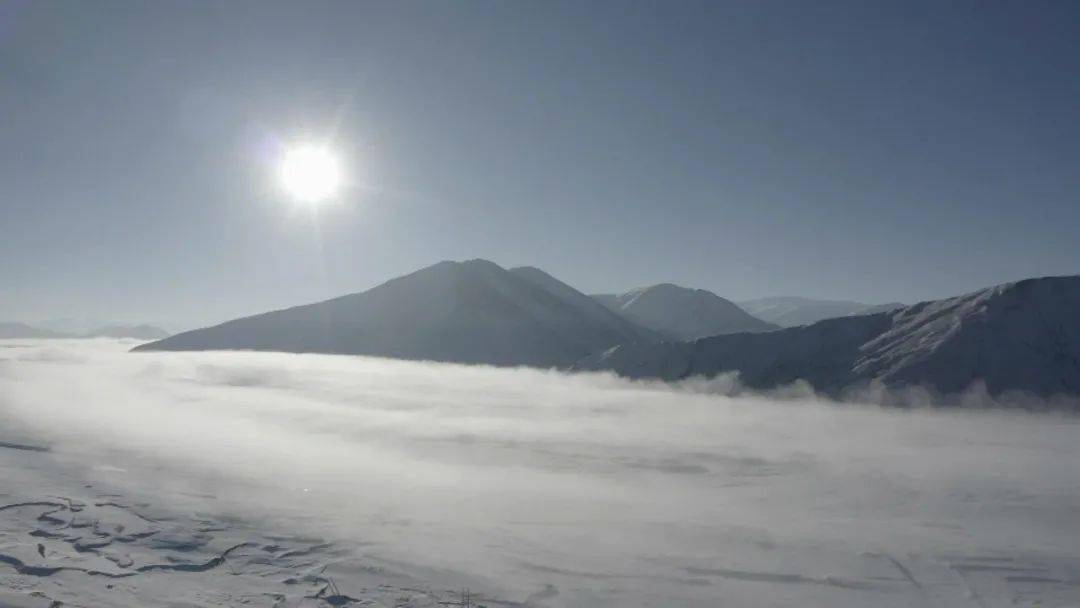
<point x="1016" y="336"/>
<point x="586" y="305"/>
<point x="467" y="312"/>
<point x="791" y="311"/>
<point x="680" y="313"/>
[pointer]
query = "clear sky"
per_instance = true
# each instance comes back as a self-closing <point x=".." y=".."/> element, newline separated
<point x="863" y="150"/>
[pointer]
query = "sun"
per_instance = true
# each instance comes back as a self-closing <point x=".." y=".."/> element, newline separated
<point x="310" y="173"/>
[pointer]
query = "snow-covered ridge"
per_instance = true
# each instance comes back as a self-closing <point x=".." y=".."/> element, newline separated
<point x="680" y="313"/>
<point x="1022" y="336"/>
<point x="789" y="311"/>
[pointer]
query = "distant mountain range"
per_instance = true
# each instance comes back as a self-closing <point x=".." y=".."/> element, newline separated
<point x="23" y="331"/>
<point x="791" y="311"/>
<point x="1017" y="336"/>
<point x="138" y="332"/>
<point x="679" y="313"/>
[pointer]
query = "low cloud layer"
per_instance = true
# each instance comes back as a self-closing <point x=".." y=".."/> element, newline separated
<point x="573" y="489"/>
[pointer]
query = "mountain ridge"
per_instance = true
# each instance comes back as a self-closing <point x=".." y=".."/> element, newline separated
<point x="682" y="313"/>
<point x="789" y="311"/>
<point x="1016" y="336"/>
<point x="14" y="329"/>
<point x="473" y="311"/>
<point x="1023" y="336"/>
<point x="142" y="331"/>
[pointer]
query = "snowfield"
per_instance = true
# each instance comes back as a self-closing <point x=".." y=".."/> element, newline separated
<point x="266" y="479"/>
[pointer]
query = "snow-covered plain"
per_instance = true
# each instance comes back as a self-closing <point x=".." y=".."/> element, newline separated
<point x="192" y="479"/>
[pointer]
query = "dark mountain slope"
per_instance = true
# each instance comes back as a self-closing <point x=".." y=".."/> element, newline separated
<point x="1018" y="336"/>
<point x="467" y="312"/>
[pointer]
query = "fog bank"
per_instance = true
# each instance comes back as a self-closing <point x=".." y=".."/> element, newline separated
<point x="574" y="490"/>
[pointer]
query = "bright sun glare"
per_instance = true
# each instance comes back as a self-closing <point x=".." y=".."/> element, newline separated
<point x="310" y="173"/>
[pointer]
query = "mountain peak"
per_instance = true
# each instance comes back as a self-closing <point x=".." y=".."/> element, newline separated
<point x="473" y="311"/>
<point x="682" y="313"/>
<point x="480" y="263"/>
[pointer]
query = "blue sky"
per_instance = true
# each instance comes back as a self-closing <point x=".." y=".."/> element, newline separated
<point x="860" y="150"/>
